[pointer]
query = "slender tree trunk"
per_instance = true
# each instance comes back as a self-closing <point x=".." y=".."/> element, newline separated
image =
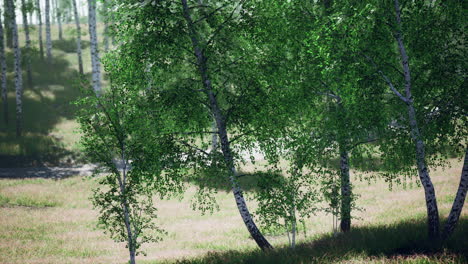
<point x="293" y="227"/>
<point x="106" y="27"/>
<point x="78" y="38"/>
<point x="18" y="73"/>
<point x="3" y="66"/>
<point x="459" y="201"/>
<point x="123" y="185"/>
<point x="222" y="131"/>
<point x="96" y="66"/>
<point x="39" y="19"/>
<point x="345" y="214"/>
<point x="27" y="56"/>
<point x="48" y="36"/>
<point x="59" y="19"/>
<point x="7" y="21"/>
<point x="429" y="191"/>
<point x="214" y="139"/>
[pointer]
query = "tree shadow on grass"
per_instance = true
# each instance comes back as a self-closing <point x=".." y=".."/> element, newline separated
<point x="403" y="242"/>
<point x="69" y="45"/>
<point x="45" y="104"/>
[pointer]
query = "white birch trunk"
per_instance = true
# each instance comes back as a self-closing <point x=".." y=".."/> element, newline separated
<point x="3" y="67"/>
<point x="28" y="43"/>
<point x="429" y="191"/>
<point x="39" y="19"/>
<point x="124" y="204"/>
<point x="345" y="214"/>
<point x="106" y="27"/>
<point x="48" y="36"/>
<point x="7" y="21"/>
<point x="18" y="72"/>
<point x="95" y="64"/>
<point x="223" y="135"/>
<point x="459" y="201"/>
<point x="78" y="38"/>
<point x="58" y="17"/>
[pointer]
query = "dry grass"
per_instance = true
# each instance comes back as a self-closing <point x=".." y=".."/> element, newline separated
<point x="65" y="231"/>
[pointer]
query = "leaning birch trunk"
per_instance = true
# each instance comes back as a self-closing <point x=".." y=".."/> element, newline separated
<point x="78" y="38"/>
<point x="345" y="214"/>
<point x="3" y="66"/>
<point x="429" y="191"/>
<point x="27" y="56"/>
<point x="39" y="19"/>
<point x="18" y="73"/>
<point x="293" y="226"/>
<point x="459" y="201"/>
<point x="223" y="135"/>
<point x="95" y="64"/>
<point x="48" y="36"/>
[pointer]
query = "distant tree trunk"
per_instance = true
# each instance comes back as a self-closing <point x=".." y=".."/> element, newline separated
<point x="39" y="19"/>
<point x="223" y="135"/>
<point x="96" y="65"/>
<point x="293" y="227"/>
<point x="345" y="215"/>
<point x="106" y="27"/>
<point x="459" y="201"/>
<point x="59" y="19"/>
<point x="48" y="36"/>
<point x="3" y="66"/>
<point x="27" y="56"/>
<point x="78" y="38"/>
<point x="429" y="191"/>
<point x="18" y="73"/>
<point x="7" y="16"/>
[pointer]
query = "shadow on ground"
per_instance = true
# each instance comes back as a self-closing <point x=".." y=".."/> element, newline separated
<point x="46" y="103"/>
<point x="404" y="242"/>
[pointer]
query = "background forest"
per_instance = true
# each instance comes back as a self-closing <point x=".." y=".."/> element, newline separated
<point x="233" y="131"/>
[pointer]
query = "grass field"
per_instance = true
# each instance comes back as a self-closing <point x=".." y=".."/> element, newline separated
<point x="52" y="221"/>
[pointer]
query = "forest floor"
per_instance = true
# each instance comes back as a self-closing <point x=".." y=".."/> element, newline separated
<point x="52" y="221"/>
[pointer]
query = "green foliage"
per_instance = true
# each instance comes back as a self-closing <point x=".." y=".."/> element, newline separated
<point x="283" y="201"/>
<point x="116" y="132"/>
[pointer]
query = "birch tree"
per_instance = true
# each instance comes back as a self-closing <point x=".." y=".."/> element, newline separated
<point x="7" y="18"/>
<point x="78" y="38"/>
<point x="48" y="34"/>
<point x="24" y="10"/>
<point x="4" y="72"/>
<point x="39" y="19"/>
<point x="58" y="17"/>
<point x="95" y="63"/>
<point x="18" y="72"/>
<point x="429" y="124"/>
<point x="196" y="81"/>
<point x="114" y="125"/>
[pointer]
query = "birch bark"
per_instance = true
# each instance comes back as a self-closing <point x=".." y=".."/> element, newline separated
<point x="18" y="72"/>
<point x="78" y="38"/>
<point x="48" y="36"/>
<point x="7" y="21"/>
<point x="345" y="224"/>
<point x="459" y="201"/>
<point x="39" y="19"/>
<point x="95" y="64"/>
<point x="222" y="131"/>
<point x="3" y="66"/>
<point x="27" y="56"/>
<point x="429" y="191"/>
